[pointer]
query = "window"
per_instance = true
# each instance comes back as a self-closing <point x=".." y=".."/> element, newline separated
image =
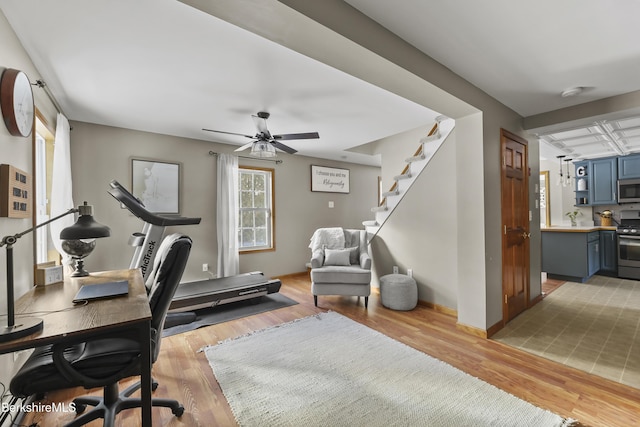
<point x="43" y="159"/>
<point x="256" y="214"/>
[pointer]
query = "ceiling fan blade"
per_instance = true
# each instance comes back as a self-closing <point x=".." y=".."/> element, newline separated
<point x="245" y="146"/>
<point x="284" y="148"/>
<point x="308" y="135"/>
<point x="261" y="125"/>
<point x="229" y="133"/>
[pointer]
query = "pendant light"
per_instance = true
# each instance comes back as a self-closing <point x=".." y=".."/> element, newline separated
<point x="568" y="178"/>
<point x="560" y="178"/>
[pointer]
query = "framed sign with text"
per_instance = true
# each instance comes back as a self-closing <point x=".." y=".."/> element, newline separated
<point x="329" y="180"/>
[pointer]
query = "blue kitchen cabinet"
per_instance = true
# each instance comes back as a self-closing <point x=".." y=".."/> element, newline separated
<point x="582" y="173"/>
<point x="608" y="252"/>
<point x="629" y="166"/>
<point x="603" y="181"/>
<point x="573" y="256"/>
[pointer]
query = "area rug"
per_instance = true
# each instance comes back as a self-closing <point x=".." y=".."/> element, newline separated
<point x="232" y="311"/>
<point x="328" y="370"/>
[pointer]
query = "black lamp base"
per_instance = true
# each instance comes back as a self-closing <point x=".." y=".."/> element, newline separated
<point x="24" y="326"/>
<point x="80" y="271"/>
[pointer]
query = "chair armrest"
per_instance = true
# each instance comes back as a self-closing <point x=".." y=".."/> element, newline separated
<point x="71" y="374"/>
<point x="317" y="258"/>
<point x="365" y="261"/>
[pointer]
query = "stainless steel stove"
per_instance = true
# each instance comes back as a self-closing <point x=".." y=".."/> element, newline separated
<point x="629" y="244"/>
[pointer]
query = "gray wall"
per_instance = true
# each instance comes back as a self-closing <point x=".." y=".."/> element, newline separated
<point x="100" y="154"/>
<point x="478" y="161"/>
<point x="421" y="233"/>
<point x="16" y="151"/>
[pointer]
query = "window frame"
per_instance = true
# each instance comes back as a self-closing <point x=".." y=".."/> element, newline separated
<point x="271" y="211"/>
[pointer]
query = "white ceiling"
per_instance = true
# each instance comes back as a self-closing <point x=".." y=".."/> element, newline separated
<point x="524" y="53"/>
<point x="162" y="66"/>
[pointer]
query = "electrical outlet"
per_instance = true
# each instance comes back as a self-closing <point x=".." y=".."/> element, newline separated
<point x="410" y="272"/>
<point x="395" y="269"/>
<point x="205" y="267"/>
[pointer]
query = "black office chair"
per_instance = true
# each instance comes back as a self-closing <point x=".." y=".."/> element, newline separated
<point x="107" y="359"/>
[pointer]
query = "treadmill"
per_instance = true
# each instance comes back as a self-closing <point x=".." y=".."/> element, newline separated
<point x="191" y="295"/>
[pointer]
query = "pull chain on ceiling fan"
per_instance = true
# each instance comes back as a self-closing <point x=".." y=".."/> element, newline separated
<point x="264" y="144"/>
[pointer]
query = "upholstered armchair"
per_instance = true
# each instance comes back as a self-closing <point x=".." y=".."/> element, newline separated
<point x="340" y="263"/>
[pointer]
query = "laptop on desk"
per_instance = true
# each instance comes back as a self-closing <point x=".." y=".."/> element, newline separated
<point x="101" y="291"/>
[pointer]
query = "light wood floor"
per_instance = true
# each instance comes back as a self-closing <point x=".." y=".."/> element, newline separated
<point x="184" y="373"/>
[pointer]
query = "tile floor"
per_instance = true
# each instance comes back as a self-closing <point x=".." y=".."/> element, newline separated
<point x="593" y="326"/>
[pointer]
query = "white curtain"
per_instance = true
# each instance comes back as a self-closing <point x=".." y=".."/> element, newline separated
<point x="61" y="187"/>
<point x="227" y="215"/>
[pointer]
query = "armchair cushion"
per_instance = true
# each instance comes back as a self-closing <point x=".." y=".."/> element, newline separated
<point x="337" y="257"/>
<point x="351" y="274"/>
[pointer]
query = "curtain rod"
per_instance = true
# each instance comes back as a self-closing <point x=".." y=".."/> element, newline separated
<point x="42" y="85"/>
<point x="276" y="161"/>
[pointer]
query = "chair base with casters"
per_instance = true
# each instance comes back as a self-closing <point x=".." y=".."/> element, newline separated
<point x="113" y="401"/>
<point x="345" y="270"/>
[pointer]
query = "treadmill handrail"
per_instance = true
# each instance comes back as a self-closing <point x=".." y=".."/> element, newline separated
<point x="137" y="208"/>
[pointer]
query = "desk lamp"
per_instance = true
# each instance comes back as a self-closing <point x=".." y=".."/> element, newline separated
<point x="84" y="228"/>
<point x="79" y="241"/>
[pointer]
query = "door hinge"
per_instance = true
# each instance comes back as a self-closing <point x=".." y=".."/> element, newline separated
<point x="505" y="298"/>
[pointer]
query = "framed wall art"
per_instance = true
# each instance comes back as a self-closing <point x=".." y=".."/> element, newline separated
<point x="329" y="180"/>
<point x="157" y="184"/>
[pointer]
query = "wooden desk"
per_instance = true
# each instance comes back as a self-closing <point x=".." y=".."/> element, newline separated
<point x="64" y="321"/>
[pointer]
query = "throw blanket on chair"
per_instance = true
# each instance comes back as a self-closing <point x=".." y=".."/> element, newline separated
<point x="330" y="238"/>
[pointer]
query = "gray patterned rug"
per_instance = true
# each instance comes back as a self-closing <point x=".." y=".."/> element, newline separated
<point x="327" y="370"/>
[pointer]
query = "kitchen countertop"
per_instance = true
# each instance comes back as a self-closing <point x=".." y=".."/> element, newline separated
<point x="578" y="229"/>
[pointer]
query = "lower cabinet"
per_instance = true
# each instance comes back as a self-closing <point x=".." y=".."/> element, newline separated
<point x="608" y="252"/>
<point x="576" y="256"/>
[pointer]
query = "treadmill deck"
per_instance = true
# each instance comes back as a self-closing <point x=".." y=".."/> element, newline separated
<point x="212" y="292"/>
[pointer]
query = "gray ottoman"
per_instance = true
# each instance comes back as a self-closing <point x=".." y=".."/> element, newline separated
<point x="398" y="292"/>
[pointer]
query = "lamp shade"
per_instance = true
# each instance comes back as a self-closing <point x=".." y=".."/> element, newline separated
<point x="85" y="227"/>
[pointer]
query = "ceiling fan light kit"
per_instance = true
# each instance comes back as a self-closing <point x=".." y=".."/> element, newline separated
<point x="262" y="149"/>
<point x="264" y="144"/>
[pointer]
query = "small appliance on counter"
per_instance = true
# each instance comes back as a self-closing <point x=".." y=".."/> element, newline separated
<point x="606" y="218"/>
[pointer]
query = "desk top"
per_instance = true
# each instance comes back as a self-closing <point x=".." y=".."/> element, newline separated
<point x="62" y="319"/>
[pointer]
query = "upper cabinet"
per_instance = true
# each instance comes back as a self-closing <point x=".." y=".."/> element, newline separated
<point x="603" y="181"/>
<point x="601" y="176"/>
<point x="582" y="183"/>
<point x="597" y="179"/>
<point x="629" y="167"/>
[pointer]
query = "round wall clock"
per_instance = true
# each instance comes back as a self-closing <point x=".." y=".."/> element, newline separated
<point x="16" y="101"/>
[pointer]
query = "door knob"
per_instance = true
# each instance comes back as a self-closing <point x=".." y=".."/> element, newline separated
<point x="526" y="235"/>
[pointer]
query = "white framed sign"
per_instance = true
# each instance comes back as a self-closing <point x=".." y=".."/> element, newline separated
<point x="329" y="180"/>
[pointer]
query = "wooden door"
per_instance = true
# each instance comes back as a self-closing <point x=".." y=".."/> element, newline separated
<point x="515" y="225"/>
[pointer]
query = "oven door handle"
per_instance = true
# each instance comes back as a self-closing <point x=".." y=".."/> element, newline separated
<point x="625" y="236"/>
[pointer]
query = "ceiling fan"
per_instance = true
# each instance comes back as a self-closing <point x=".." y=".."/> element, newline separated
<point x="264" y="144"/>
